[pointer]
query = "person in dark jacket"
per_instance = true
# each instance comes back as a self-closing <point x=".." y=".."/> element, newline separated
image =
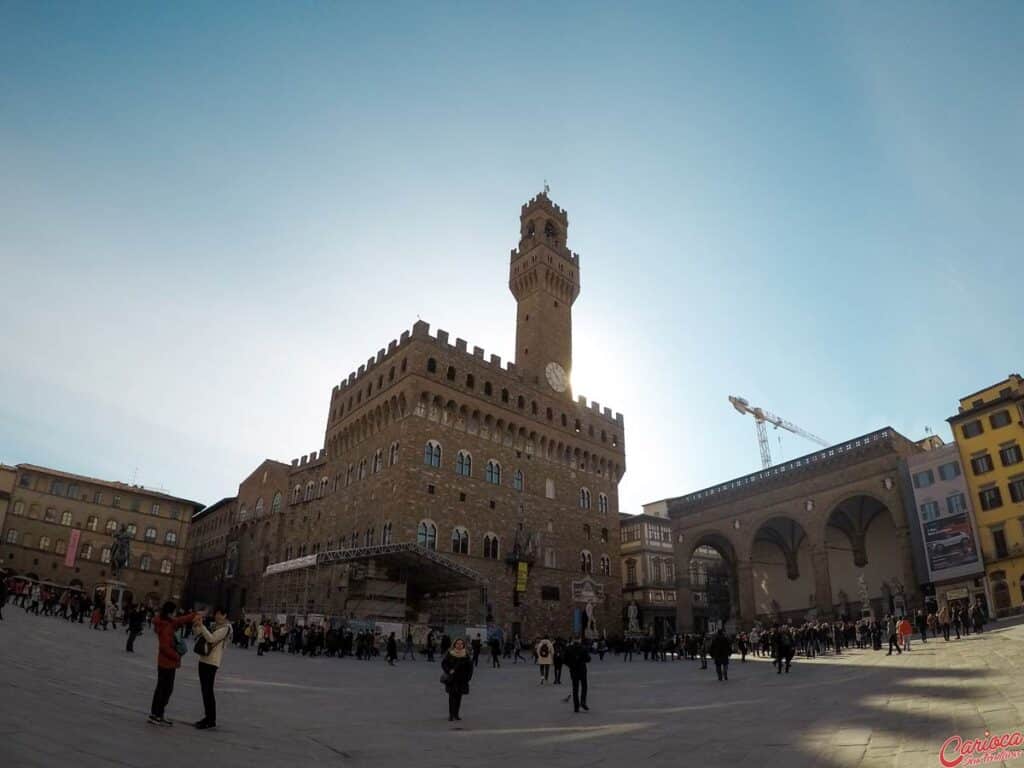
<point x="392" y="649"/>
<point x="784" y="649"/>
<point x="559" y="660"/>
<point x="136" y="618"/>
<point x="576" y="659"/>
<point x="458" y="669"/>
<point x="167" y="660"/>
<point x="721" y="650"/>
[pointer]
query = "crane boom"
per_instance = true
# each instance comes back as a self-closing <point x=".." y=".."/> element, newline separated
<point x="742" y="405"/>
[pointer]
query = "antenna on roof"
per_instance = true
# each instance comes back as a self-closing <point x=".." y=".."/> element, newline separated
<point x="546" y="187"/>
<point x="135" y="474"/>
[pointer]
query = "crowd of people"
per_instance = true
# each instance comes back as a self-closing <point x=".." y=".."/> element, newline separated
<point x="460" y="656"/>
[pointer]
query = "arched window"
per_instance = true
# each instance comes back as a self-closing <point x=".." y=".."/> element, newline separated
<point x="85" y="552"/>
<point x="166" y="566"/>
<point x="275" y="505"/>
<point x="19" y="509"/>
<point x="65" y="518"/>
<point x="259" y="507"/>
<point x="584" y="498"/>
<point x="504" y="395"/>
<point x="393" y="454"/>
<point x="451" y="373"/>
<point x="431" y="365"/>
<point x="150" y="534"/>
<point x="606" y="565"/>
<point x="44" y="542"/>
<point x="362" y="469"/>
<point x="432" y="453"/>
<point x="586" y="562"/>
<point x="426" y="535"/>
<point x="322" y="491"/>
<point x="586" y="532"/>
<point x="131" y="529"/>
<point x="460" y="541"/>
<point x="243" y="513"/>
<point x="296" y="494"/>
<point x="488" y="390"/>
<point x="310" y="490"/>
<point x="348" y="475"/>
<point x="385" y="533"/>
<point x="368" y="537"/>
<point x="105" y="555"/>
<point x="604" y="535"/>
<point x="470" y="381"/>
<point x="464" y="464"/>
<point x="111" y="525"/>
<point x="145" y="562"/>
<point x="12" y="536"/>
<point x="549" y="488"/>
<point x="378" y="461"/>
<point x="170" y="538"/>
<point x="517" y="480"/>
<point x="91" y="523"/>
<point x="493" y="472"/>
<point x="491" y="546"/>
<point x="656" y="570"/>
<point x="51" y="515"/>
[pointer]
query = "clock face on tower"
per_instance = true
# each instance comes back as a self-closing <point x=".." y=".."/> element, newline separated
<point x="557" y="377"/>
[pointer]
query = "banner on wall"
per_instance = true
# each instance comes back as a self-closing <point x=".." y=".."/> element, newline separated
<point x="72" y="553"/>
<point x="521" y="574"/>
<point x="949" y="542"/>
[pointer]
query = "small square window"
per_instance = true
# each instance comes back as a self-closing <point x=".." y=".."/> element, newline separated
<point x="462" y="497"/>
<point x="430" y="488"/>
<point x="492" y="503"/>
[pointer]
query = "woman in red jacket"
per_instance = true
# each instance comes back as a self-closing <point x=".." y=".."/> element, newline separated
<point x="167" y="660"/>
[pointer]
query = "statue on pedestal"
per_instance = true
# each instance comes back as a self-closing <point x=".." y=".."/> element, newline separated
<point x="120" y="551"/>
<point x="633" y="618"/>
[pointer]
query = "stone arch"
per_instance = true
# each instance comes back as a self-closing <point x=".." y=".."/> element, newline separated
<point x="785" y="533"/>
<point x="853" y="514"/>
<point x="713" y="584"/>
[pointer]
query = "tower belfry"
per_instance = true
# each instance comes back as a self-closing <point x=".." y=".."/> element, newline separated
<point x="544" y="276"/>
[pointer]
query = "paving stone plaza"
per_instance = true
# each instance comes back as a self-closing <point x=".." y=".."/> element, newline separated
<point x="71" y="696"/>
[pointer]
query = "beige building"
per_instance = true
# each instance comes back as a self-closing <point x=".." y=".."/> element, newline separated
<point x="59" y="528"/>
<point x="8" y="479"/>
<point x="453" y="487"/>
<point x="648" y="571"/>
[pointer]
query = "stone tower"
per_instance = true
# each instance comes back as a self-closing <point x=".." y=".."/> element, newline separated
<point x="544" y="276"/>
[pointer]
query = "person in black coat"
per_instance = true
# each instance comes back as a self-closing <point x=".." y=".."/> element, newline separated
<point x="576" y="659"/>
<point x="458" y="669"/>
<point x="136" y="618"/>
<point x="721" y="650"/>
<point x="392" y="647"/>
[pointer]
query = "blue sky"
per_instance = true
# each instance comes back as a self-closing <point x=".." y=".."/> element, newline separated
<point x="211" y="213"/>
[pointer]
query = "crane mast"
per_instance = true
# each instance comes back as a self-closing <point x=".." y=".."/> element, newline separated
<point x="762" y="417"/>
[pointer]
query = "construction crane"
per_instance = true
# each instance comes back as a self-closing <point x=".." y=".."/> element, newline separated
<point x="761" y="417"/>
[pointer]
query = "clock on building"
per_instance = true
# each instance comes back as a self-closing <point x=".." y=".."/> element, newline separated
<point x="557" y="377"/>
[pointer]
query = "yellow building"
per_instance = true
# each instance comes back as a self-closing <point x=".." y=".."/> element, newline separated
<point x="989" y="431"/>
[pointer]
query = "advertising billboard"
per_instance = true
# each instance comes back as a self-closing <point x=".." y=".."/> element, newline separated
<point x="951" y="546"/>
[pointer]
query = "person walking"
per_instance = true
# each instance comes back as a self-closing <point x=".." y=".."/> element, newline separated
<point x="517" y="647"/>
<point x="458" y="670"/>
<point x="392" y="650"/>
<point x="784" y="650"/>
<point x="891" y="631"/>
<point x="430" y="646"/>
<point x="576" y="659"/>
<point x="559" y="660"/>
<point x="136" y="618"/>
<point x="168" y="658"/>
<point x="476" y="646"/>
<point x="545" y="655"/>
<point x="209" y="648"/>
<point x="721" y="650"/>
<point x="943" y="620"/>
<point x="495" y="645"/>
<point x="922" y="625"/>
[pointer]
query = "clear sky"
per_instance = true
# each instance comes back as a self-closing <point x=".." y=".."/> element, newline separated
<point x="211" y="213"/>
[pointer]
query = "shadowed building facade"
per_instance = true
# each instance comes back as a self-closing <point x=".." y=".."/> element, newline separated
<point x="823" y="535"/>
<point x="495" y="466"/>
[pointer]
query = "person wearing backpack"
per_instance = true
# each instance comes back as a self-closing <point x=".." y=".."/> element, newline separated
<point x="209" y="648"/>
<point x="545" y="655"/>
<point x="168" y="658"/>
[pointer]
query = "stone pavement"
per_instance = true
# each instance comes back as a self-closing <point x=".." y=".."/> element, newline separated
<point x="71" y="696"/>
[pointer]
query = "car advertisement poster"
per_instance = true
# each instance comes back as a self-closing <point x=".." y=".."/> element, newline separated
<point x="950" y="544"/>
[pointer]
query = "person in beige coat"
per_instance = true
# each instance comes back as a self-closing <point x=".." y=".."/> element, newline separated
<point x="209" y="662"/>
<point x="545" y="656"/>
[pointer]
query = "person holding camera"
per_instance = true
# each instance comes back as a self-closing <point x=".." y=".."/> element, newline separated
<point x="169" y="650"/>
<point x="209" y="648"/>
